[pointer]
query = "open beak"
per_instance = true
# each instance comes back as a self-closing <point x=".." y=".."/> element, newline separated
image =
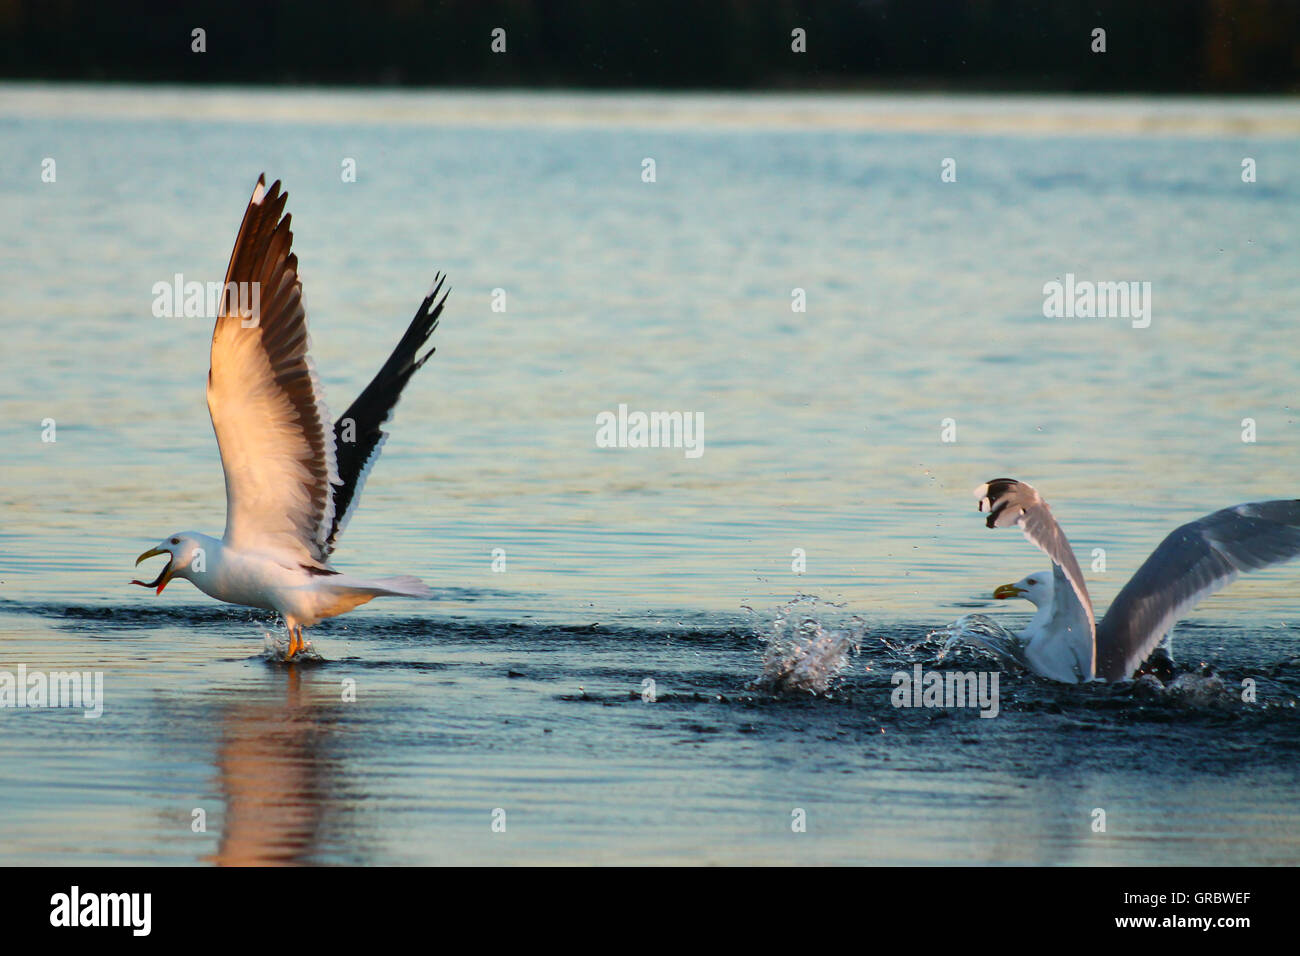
<point x="164" y="575"/>
<point x="1001" y="594"/>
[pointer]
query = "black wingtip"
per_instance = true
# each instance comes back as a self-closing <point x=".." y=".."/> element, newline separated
<point x="993" y="494"/>
<point x="373" y="408"/>
<point x="419" y="363"/>
<point x="439" y="280"/>
<point x="426" y="319"/>
<point x="999" y="486"/>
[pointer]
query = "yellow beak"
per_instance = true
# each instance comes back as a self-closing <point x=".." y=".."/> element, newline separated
<point x="1007" y="591"/>
<point x="164" y="576"/>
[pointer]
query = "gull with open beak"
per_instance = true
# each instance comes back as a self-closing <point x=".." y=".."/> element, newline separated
<point x="166" y="573"/>
<point x="293" y="479"/>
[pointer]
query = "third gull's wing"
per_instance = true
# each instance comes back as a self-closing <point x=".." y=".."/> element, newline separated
<point x="277" y="447"/>
<point x="1192" y="563"/>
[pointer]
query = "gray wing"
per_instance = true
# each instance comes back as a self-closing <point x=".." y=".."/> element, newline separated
<point x="1011" y="502"/>
<point x="1191" y="563"/>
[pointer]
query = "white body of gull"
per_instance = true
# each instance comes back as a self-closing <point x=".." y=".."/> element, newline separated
<point x="1064" y="643"/>
<point x="293" y="480"/>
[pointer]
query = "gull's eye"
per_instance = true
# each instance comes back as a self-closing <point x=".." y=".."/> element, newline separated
<point x="178" y="541"/>
<point x="1030" y="581"/>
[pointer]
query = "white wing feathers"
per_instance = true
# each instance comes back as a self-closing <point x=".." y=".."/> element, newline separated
<point x="274" y="432"/>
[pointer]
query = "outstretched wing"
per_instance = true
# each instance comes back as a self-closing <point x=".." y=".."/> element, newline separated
<point x="1010" y="502"/>
<point x="358" y="434"/>
<point x="1191" y="563"/>
<point x="277" y="447"/>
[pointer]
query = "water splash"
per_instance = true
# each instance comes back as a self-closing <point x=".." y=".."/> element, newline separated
<point x="982" y="633"/>
<point x="802" y="653"/>
<point x="276" y="651"/>
<point x="1191" y="690"/>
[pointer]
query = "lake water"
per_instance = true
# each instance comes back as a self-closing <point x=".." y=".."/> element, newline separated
<point x="824" y="430"/>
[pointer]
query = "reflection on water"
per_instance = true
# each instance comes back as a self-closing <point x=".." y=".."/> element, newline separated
<point x="825" y="473"/>
<point x="277" y="780"/>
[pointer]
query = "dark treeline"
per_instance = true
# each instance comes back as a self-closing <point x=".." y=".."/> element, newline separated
<point x="1151" y="45"/>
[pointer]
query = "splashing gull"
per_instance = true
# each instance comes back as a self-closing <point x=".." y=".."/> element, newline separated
<point x="1063" y="642"/>
<point x="292" y="480"/>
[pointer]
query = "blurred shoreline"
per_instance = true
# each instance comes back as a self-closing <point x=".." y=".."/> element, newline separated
<point x="1029" y="114"/>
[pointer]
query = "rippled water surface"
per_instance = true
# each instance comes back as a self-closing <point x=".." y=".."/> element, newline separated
<point x="523" y="690"/>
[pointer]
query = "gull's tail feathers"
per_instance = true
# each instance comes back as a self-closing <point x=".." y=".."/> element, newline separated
<point x="351" y="591"/>
<point x="401" y="585"/>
